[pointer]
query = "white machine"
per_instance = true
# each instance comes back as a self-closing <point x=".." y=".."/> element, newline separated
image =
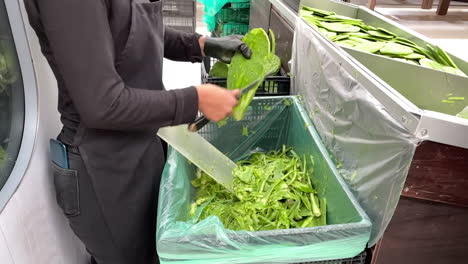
<point x="32" y="228"/>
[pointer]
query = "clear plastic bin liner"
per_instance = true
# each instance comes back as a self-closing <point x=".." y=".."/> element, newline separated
<point x="271" y="122"/>
<point x="372" y="150"/>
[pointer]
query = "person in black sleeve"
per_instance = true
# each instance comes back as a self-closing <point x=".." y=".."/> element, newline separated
<point x="107" y="57"/>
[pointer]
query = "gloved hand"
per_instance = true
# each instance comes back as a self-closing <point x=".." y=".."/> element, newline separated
<point x="224" y="48"/>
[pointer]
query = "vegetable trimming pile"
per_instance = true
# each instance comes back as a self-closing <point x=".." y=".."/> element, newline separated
<point x="354" y="33"/>
<point x="272" y="190"/>
<point x="3" y="156"/>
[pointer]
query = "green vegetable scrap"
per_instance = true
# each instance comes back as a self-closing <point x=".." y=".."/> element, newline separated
<point x="371" y="47"/>
<point x="271" y="191"/>
<point x="414" y="56"/>
<point x="219" y="69"/>
<point x="430" y="64"/>
<point x="245" y="131"/>
<point x="243" y="72"/>
<point x="392" y="48"/>
<point x="355" y="34"/>
<point x="3" y="157"/>
<point x="379" y="34"/>
<point x="457" y="98"/>
<point x="222" y="123"/>
<point x="339" y="27"/>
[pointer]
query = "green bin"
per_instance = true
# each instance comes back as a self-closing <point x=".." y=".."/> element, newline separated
<point x="271" y="122"/>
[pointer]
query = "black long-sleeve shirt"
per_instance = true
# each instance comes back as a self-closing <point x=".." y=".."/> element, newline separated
<point x="82" y="41"/>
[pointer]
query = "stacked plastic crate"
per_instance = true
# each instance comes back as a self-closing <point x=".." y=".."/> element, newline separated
<point x="233" y="18"/>
<point x="180" y="14"/>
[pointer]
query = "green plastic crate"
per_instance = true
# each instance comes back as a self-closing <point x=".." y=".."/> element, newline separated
<point x="240" y="4"/>
<point x="227" y="15"/>
<point x="272" y="122"/>
<point x="225" y="29"/>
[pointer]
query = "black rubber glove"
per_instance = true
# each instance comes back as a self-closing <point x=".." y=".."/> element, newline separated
<point x="224" y="48"/>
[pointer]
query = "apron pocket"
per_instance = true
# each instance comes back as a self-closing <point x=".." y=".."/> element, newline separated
<point x="67" y="190"/>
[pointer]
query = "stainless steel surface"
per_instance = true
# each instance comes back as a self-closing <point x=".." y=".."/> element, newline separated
<point x="443" y="129"/>
<point x="284" y="35"/>
<point x="285" y="11"/>
<point x="200" y="152"/>
<point x="406" y="97"/>
<point x="260" y="14"/>
<point x="397" y="108"/>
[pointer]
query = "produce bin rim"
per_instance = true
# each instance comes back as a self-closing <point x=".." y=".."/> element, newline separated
<point x="323" y="150"/>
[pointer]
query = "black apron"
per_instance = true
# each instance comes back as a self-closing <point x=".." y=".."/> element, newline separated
<point x="124" y="168"/>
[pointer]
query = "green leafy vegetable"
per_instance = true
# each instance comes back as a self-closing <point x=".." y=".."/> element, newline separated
<point x="3" y="157"/>
<point x="414" y="56"/>
<point x="340" y="27"/>
<point x="219" y="69"/>
<point x="271" y="191"/>
<point x="430" y="64"/>
<point x="245" y="131"/>
<point x="222" y="123"/>
<point x="243" y="72"/>
<point x="317" y="12"/>
<point x="379" y="34"/>
<point x="354" y="33"/>
<point x="342" y="18"/>
<point x="388" y="32"/>
<point x="392" y="48"/>
<point x="371" y="47"/>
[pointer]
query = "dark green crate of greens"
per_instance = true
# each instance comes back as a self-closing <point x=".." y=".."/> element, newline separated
<point x="233" y="15"/>
<point x="225" y="29"/>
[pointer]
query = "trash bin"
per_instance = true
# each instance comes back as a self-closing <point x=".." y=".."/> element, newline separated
<point x="271" y="122"/>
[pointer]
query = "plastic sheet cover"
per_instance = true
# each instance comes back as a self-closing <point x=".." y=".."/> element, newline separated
<point x="212" y="7"/>
<point x="271" y="122"/>
<point x="372" y="150"/>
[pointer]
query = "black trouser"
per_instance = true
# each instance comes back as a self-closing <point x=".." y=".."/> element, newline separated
<point x="79" y="201"/>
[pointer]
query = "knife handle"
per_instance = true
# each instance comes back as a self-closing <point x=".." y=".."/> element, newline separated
<point x="198" y="124"/>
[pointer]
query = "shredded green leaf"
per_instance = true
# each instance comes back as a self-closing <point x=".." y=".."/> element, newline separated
<point x="272" y="190"/>
<point x="3" y="157"/>
<point x="447" y="101"/>
<point x="222" y="123"/>
<point x="245" y="131"/>
<point x="457" y="98"/>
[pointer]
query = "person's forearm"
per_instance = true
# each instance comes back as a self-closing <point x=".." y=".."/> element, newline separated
<point x="182" y="46"/>
<point x="201" y="42"/>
